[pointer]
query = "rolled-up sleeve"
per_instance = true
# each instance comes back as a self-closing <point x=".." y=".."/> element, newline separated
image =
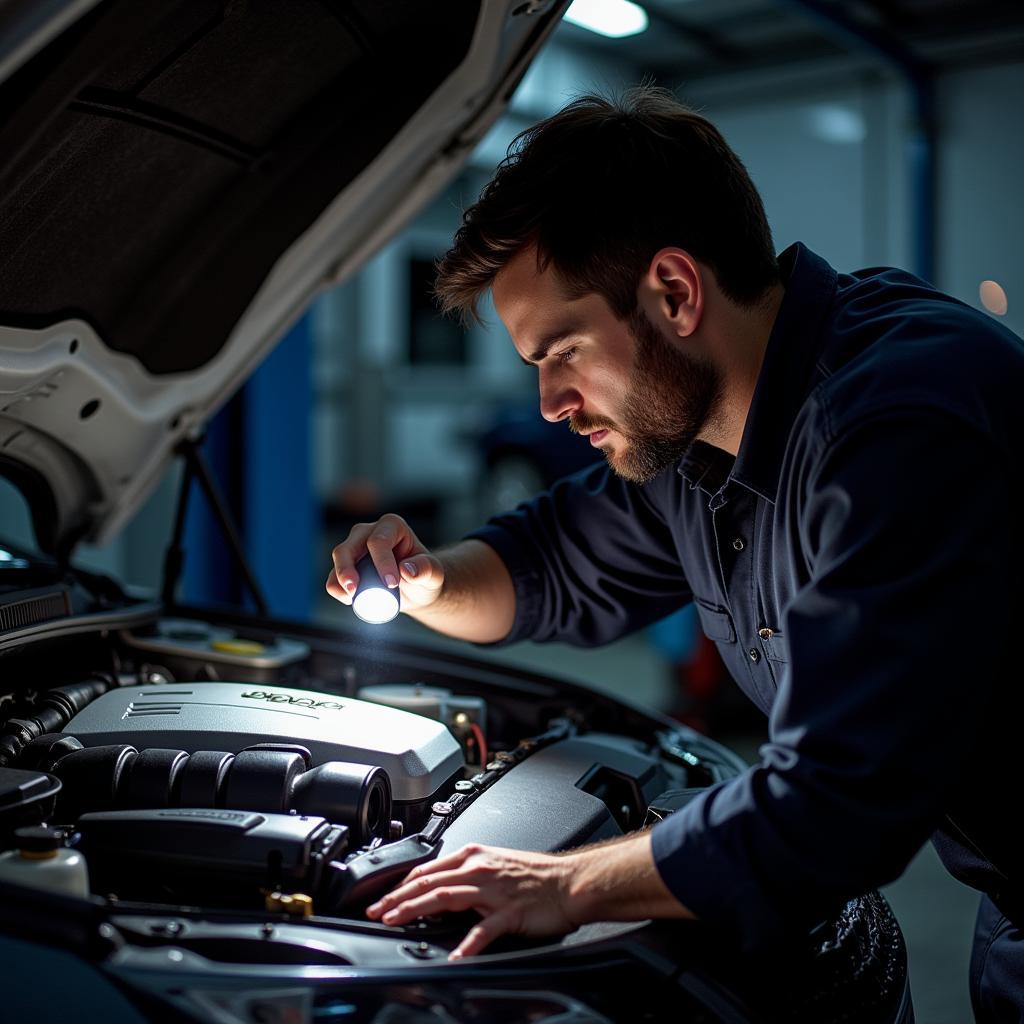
<point x="903" y="521"/>
<point x="592" y="559"/>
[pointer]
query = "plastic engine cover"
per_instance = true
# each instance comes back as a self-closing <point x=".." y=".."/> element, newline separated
<point x="418" y="754"/>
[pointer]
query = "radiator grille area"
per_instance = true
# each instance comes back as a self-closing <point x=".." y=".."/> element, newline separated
<point x="33" y="610"/>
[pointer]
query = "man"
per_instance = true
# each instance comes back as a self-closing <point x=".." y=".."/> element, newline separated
<point x="826" y="464"/>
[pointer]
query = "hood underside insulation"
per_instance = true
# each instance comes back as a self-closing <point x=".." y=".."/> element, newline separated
<point x="159" y="158"/>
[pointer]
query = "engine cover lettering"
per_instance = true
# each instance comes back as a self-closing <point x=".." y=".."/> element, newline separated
<point x="284" y="698"/>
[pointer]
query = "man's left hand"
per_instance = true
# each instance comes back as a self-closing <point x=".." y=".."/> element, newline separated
<point x="515" y="892"/>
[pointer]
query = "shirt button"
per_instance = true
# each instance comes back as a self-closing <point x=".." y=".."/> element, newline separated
<point x="738" y="544"/>
<point x="766" y="633"/>
<point x="755" y="655"/>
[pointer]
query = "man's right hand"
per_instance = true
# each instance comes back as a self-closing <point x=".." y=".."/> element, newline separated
<point x="400" y="559"/>
<point x="465" y="592"/>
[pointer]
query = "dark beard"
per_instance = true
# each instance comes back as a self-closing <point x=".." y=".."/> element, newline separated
<point x="669" y="400"/>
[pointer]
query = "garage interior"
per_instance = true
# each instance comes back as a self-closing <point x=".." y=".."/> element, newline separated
<point x="879" y="132"/>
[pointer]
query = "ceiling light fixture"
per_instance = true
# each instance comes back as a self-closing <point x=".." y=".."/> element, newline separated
<point x="612" y="18"/>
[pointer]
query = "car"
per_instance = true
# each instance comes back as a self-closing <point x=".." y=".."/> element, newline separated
<point x="523" y="454"/>
<point x="197" y="805"/>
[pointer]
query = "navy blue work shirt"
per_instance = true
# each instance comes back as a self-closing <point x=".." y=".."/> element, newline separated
<point x="859" y="568"/>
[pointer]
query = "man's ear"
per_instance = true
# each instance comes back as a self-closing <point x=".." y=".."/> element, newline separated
<point x="671" y="292"/>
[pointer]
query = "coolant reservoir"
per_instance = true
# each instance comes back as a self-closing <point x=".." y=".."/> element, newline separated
<point x="42" y="861"/>
<point x="430" y="701"/>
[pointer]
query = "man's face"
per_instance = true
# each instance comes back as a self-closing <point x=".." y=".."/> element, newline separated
<point x="639" y="398"/>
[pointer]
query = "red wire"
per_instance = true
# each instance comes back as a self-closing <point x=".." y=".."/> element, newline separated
<point x="481" y="743"/>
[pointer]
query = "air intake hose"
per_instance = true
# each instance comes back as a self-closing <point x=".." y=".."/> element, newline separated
<point x="57" y="707"/>
<point x="266" y="777"/>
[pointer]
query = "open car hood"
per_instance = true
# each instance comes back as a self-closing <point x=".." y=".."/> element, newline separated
<point x="178" y="179"/>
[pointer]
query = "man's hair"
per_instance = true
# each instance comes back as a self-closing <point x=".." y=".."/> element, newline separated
<point x="599" y="188"/>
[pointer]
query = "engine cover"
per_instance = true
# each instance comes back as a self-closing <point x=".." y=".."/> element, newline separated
<point x="418" y="754"/>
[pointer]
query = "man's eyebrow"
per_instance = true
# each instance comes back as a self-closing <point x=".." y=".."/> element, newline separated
<point x="545" y="343"/>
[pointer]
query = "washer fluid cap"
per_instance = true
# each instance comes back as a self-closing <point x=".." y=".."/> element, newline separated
<point x="244" y="647"/>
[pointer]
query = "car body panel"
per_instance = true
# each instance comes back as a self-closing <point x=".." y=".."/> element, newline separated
<point x="159" y="240"/>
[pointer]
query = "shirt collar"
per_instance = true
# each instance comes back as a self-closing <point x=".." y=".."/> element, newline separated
<point x="705" y="466"/>
<point x="783" y="384"/>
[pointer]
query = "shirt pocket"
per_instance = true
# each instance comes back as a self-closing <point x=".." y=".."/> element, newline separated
<point x="716" y="621"/>
<point x="775" y="647"/>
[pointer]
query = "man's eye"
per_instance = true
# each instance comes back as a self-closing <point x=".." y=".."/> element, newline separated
<point x="566" y="355"/>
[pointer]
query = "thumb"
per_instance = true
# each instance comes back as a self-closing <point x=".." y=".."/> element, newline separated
<point x="423" y="570"/>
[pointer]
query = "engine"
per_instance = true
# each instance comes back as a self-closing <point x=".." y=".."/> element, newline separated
<point x="417" y="755"/>
<point x="229" y="794"/>
<point x="233" y="800"/>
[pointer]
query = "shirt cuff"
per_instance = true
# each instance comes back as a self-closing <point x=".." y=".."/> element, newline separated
<point x="708" y="874"/>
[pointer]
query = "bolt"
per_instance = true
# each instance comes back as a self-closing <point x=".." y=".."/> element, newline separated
<point x="419" y="950"/>
<point x="167" y="927"/>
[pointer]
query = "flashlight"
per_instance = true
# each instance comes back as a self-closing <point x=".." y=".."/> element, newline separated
<point x="374" y="601"/>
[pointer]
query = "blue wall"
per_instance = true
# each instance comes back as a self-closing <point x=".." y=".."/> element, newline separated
<point x="259" y="448"/>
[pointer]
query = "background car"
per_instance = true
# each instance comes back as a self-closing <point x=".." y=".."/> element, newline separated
<point x="523" y="454"/>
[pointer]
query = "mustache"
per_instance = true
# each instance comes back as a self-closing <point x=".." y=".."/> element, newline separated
<point x="580" y="423"/>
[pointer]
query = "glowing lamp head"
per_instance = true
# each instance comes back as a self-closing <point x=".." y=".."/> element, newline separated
<point x="374" y="601"/>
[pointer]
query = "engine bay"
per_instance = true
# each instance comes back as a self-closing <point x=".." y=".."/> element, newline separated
<point x="217" y="770"/>
<point x="204" y="806"/>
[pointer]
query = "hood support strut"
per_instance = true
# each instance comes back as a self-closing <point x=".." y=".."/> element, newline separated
<point x="196" y="468"/>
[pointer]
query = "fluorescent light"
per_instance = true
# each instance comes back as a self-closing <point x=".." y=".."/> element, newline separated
<point x="835" y="123"/>
<point x="612" y="18"/>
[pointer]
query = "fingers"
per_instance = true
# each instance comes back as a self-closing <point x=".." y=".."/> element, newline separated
<point x="451" y="898"/>
<point x="446" y="863"/>
<point x="382" y="540"/>
<point x="381" y="543"/>
<point x="335" y="589"/>
<point x="481" y="935"/>
<point x="413" y="888"/>
<point x="513" y="891"/>
<point x="442" y="900"/>
<point x="444" y="871"/>
<point x="344" y="579"/>
<point x="423" y="571"/>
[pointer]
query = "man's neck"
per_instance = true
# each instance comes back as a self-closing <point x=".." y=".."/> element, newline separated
<point x="742" y="342"/>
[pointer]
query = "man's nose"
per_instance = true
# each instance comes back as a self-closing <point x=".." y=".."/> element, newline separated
<point x="558" y="402"/>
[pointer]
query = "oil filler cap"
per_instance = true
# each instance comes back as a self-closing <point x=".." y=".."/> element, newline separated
<point x="38" y="841"/>
<point x="297" y="904"/>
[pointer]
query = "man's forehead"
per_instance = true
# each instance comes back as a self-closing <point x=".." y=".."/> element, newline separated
<point x="533" y="303"/>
